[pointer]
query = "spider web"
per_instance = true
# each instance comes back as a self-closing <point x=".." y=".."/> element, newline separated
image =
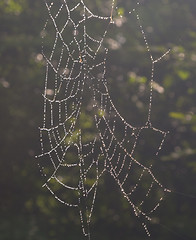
<point x="83" y="134"/>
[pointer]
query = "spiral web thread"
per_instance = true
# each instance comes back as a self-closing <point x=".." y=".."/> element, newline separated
<point x="76" y="79"/>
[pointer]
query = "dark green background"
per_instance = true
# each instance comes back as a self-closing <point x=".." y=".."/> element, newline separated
<point x="29" y="212"/>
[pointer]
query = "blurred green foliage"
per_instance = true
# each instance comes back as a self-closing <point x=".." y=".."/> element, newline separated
<point x="12" y="6"/>
<point x="27" y="210"/>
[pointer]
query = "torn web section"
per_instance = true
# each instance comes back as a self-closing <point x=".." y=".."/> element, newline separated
<point x="118" y="148"/>
<point x="123" y="152"/>
<point x="123" y="145"/>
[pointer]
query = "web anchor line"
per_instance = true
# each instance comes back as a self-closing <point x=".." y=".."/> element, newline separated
<point x="72" y="159"/>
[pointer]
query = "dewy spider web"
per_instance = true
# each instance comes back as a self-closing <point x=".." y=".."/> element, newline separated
<point x="74" y="157"/>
